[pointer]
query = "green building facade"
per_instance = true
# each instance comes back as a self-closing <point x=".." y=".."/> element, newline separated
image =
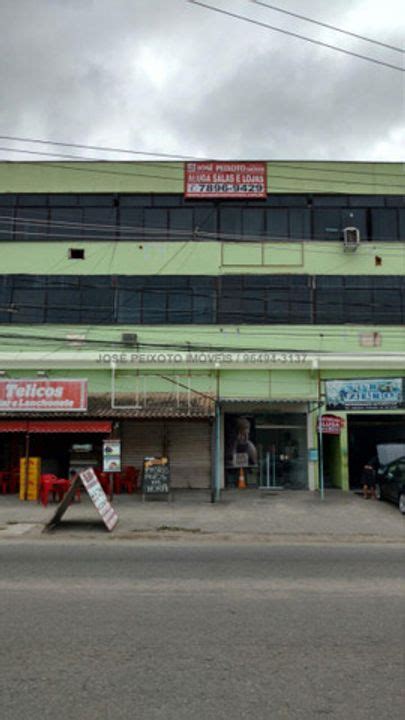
<point x="215" y="331"/>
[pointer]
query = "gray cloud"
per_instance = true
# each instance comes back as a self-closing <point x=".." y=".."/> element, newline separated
<point x="162" y="75"/>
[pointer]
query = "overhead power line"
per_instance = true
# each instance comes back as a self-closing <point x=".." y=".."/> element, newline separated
<point x="326" y="25"/>
<point x="82" y="158"/>
<point x="81" y="146"/>
<point x="179" y="179"/>
<point x="273" y="163"/>
<point x="184" y="346"/>
<point x="57" y="230"/>
<point x="259" y="23"/>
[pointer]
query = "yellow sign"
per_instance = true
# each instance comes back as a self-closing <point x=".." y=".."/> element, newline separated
<point x="30" y="475"/>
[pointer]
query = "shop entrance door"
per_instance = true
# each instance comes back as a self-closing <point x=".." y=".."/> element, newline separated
<point x="367" y="432"/>
<point x="282" y="453"/>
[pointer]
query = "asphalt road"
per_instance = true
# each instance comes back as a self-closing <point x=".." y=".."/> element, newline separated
<point x="96" y="631"/>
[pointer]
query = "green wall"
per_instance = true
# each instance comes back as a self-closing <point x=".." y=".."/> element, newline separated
<point x="268" y="338"/>
<point x="200" y="258"/>
<point x="164" y="177"/>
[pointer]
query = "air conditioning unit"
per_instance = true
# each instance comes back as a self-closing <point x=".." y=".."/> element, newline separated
<point x="129" y="339"/>
<point x="351" y="239"/>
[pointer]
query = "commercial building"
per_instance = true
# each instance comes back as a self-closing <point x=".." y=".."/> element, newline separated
<point x="210" y="312"/>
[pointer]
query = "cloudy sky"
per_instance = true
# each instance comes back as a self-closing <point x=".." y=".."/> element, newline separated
<point x="168" y="76"/>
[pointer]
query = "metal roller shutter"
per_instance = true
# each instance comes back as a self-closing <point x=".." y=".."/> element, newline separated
<point x="188" y="448"/>
<point x="140" y="439"/>
<point x="190" y="454"/>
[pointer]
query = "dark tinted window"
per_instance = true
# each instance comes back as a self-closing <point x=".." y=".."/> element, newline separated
<point x="278" y="200"/>
<point x="330" y="201"/>
<point x="353" y="217"/>
<point x="327" y="224"/>
<point x="367" y="200"/>
<point x="395" y="201"/>
<point x="180" y="307"/>
<point x="205" y="219"/>
<point x="31" y="223"/>
<point x="99" y="223"/>
<point x="129" y="305"/>
<point x="5" y="298"/>
<point x="329" y="306"/>
<point x="32" y="200"/>
<point x="272" y="299"/>
<point x="230" y="220"/>
<point x="61" y="200"/>
<point x="277" y="224"/>
<point x="6" y="223"/>
<point x="204" y="298"/>
<point x="135" y="200"/>
<point x="167" y="200"/>
<point x="153" y="307"/>
<point x="181" y="219"/>
<point x="63" y="300"/>
<point x="155" y="219"/>
<point x="28" y="298"/>
<point x="296" y="217"/>
<point x="384" y="224"/>
<point x="388" y="306"/>
<point x="131" y="222"/>
<point x="96" y="200"/>
<point x="7" y="200"/>
<point x="97" y="299"/>
<point x="402" y="225"/>
<point x="300" y="224"/>
<point x="66" y="222"/>
<point x="253" y="220"/>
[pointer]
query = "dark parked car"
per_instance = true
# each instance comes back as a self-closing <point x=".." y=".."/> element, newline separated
<point x="390" y="483"/>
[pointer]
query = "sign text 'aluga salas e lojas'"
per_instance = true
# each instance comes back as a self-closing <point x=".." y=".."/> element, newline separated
<point x="225" y="180"/>
<point x="43" y="395"/>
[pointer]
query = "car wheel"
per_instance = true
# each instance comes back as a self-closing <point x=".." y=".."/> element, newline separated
<point x="378" y="493"/>
<point x="401" y="503"/>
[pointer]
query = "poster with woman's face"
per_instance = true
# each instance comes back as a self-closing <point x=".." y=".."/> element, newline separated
<point x="240" y="448"/>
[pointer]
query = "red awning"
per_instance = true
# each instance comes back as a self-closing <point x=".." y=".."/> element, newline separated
<point x="55" y="426"/>
<point x="7" y="426"/>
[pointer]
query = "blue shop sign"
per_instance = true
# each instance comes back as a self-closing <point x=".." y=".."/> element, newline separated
<point x="381" y="394"/>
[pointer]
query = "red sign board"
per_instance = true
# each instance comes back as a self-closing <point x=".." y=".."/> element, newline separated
<point x="225" y="180"/>
<point x="330" y="424"/>
<point x="43" y="395"/>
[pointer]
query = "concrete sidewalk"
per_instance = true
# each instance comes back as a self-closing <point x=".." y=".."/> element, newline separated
<point x="293" y="516"/>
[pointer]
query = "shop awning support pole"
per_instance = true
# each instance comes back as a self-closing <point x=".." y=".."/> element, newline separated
<point x="218" y="459"/>
<point x="27" y="455"/>
<point x="320" y="442"/>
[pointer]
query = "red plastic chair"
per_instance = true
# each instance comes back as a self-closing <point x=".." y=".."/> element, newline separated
<point x="126" y="480"/>
<point x="57" y="487"/>
<point x="130" y="480"/>
<point x="14" y="480"/>
<point x="104" y="481"/>
<point x="118" y="482"/>
<point x="50" y="485"/>
<point x="4" y="482"/>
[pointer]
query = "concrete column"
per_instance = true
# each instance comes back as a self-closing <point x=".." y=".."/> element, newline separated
<point x="344" y="456"/>
<point x="311" y="443"/>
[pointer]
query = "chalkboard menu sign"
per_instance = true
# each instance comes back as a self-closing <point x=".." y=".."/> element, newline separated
<point x="156" y="476"/>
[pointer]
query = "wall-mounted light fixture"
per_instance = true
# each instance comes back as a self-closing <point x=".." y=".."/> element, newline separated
<point x="42" y="373"/>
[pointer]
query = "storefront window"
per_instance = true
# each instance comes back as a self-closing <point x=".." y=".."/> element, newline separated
<point x="282" y="451"/>
<point x="272" y="449"/>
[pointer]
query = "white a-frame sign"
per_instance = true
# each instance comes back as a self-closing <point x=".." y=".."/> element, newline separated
<point x="89" y="480"/>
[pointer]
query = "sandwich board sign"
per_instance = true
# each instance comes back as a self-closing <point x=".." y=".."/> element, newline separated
<point x="156" y="476"/>
<point x="99" y="498"/>
<point x="89" y="480"/>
